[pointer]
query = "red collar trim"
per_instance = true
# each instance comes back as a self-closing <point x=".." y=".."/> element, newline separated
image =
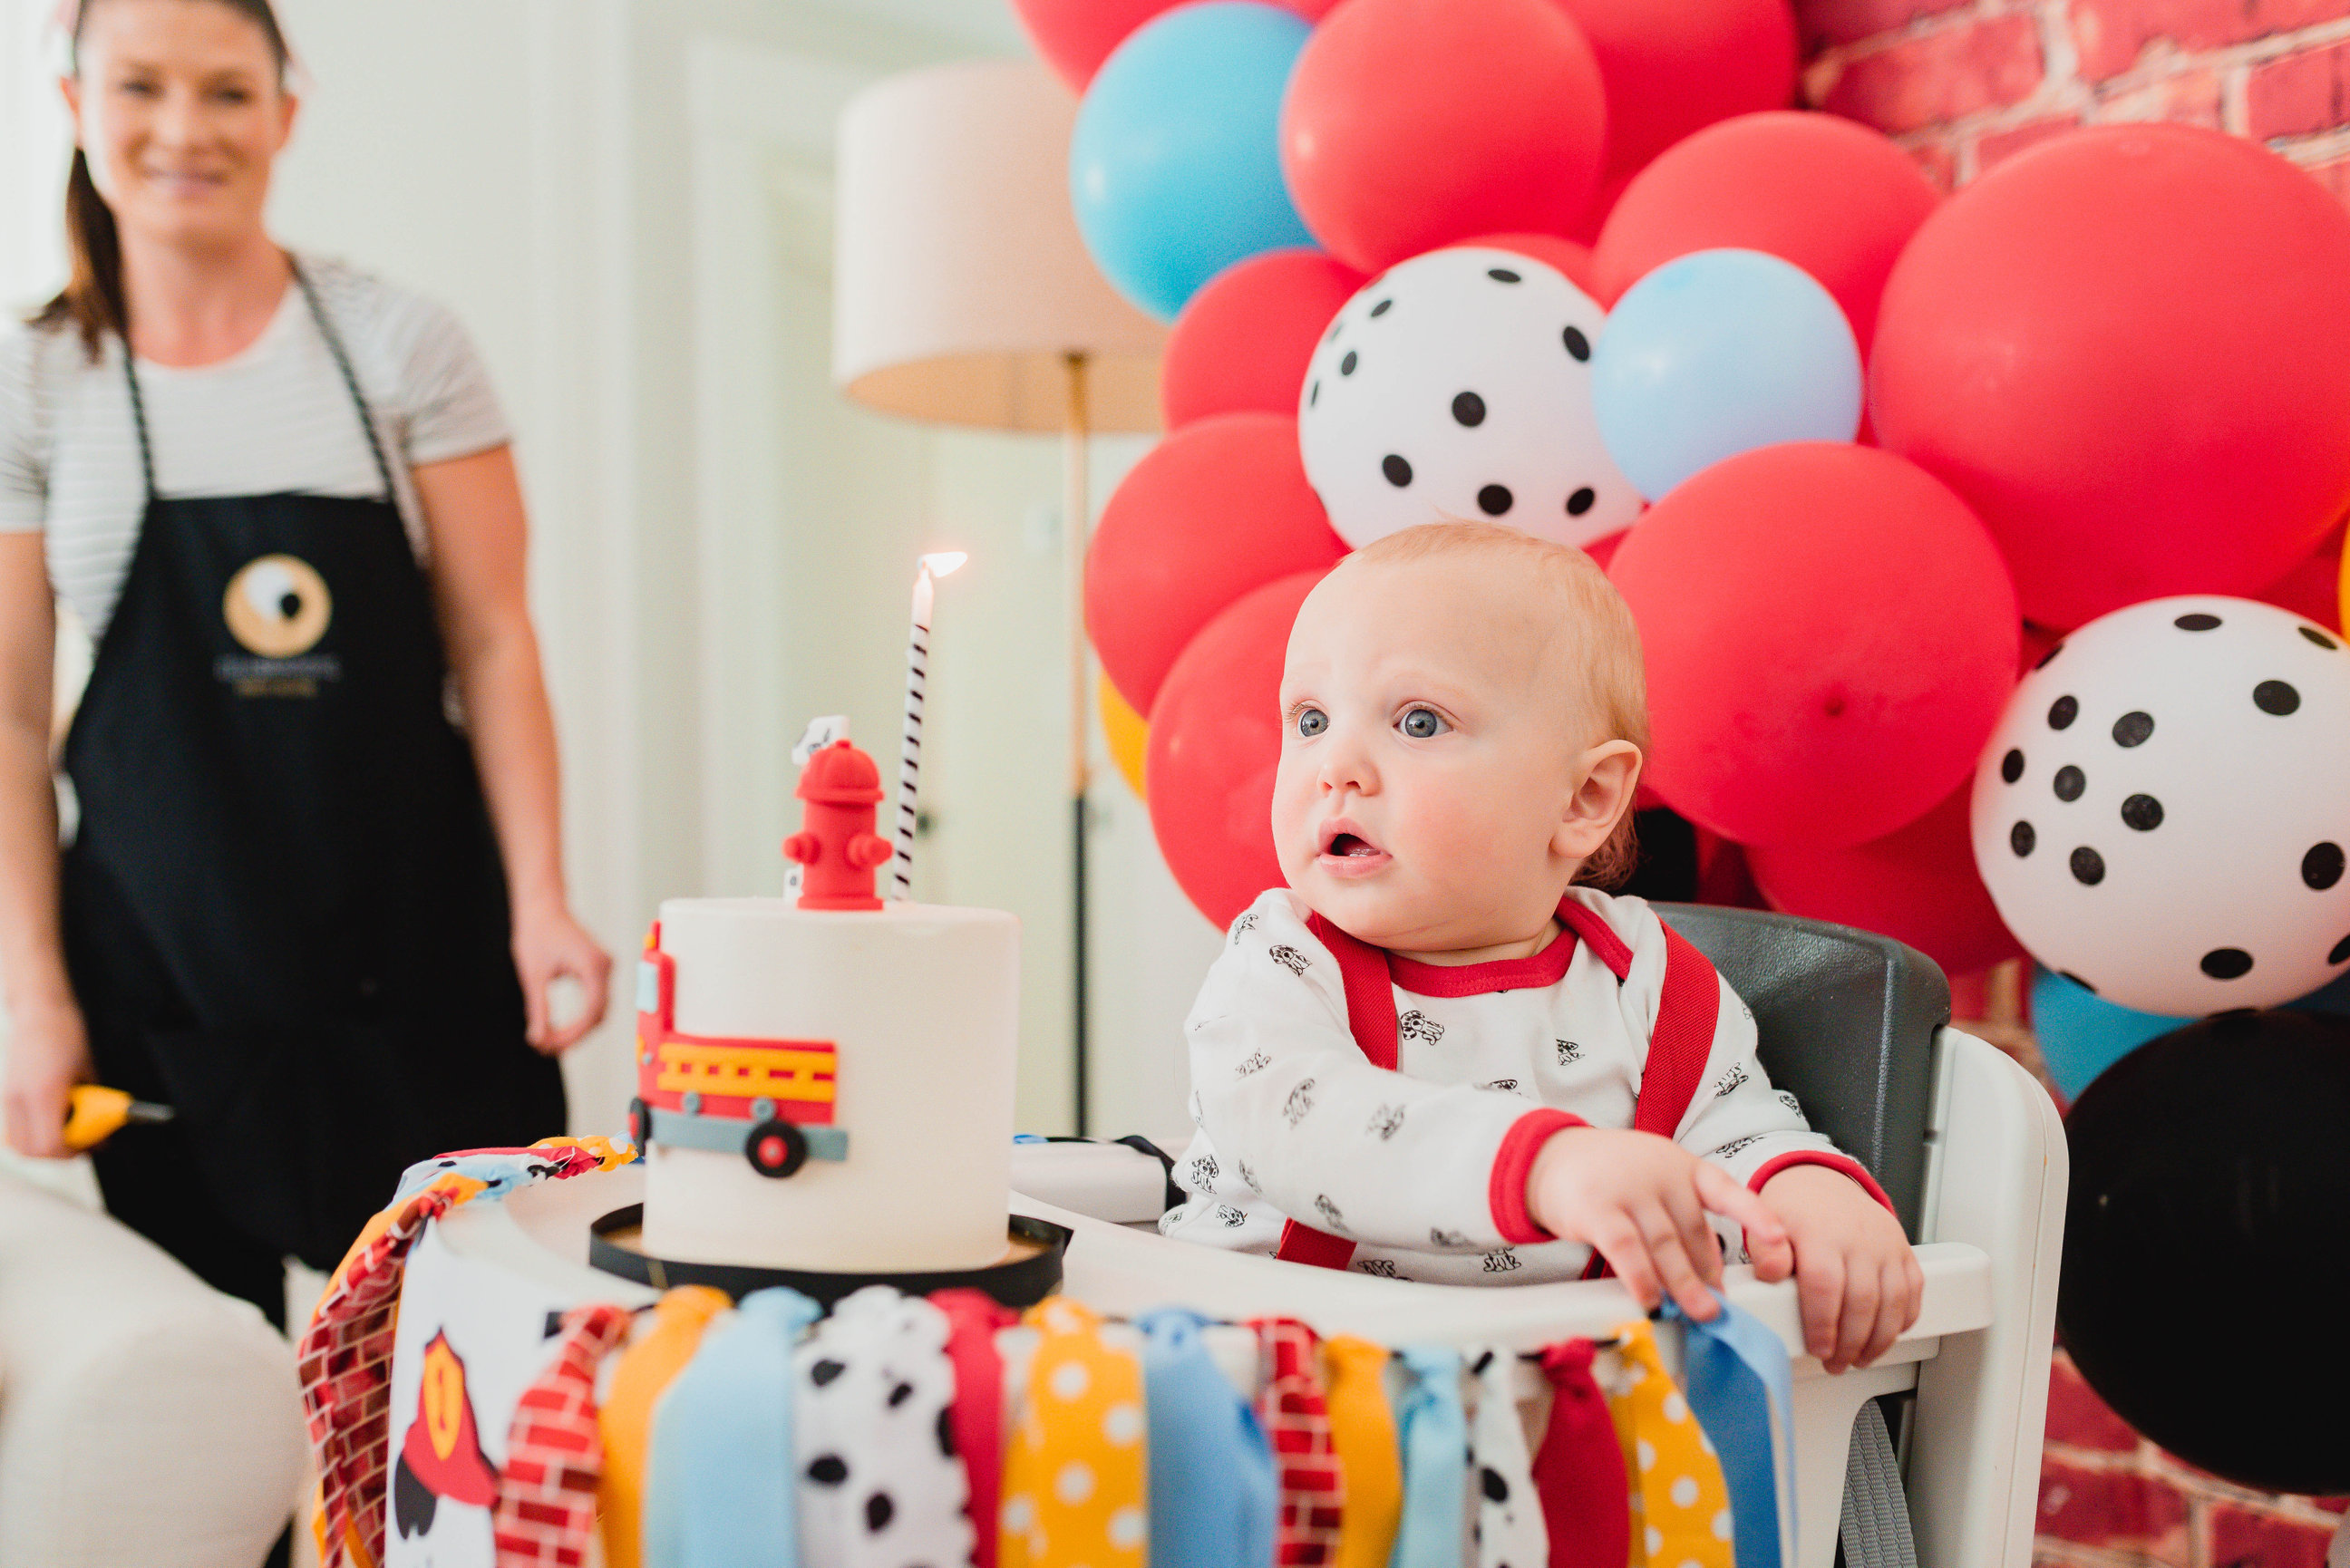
<point x="1546" y="968"/>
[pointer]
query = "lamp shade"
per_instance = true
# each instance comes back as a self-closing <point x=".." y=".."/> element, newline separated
<point x="959" y="283"/>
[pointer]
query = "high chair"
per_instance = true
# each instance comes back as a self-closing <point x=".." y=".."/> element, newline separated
<point x="1966" y="1144"/>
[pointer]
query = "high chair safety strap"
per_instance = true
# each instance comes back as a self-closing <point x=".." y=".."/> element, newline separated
<point x="1689" y="1005"/>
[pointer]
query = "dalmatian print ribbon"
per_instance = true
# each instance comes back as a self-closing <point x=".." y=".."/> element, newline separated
<point x="879" y="1485"/>
<point x="1511" y="1532"/>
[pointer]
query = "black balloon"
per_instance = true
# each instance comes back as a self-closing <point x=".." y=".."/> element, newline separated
<point x="2207" y="1246"/>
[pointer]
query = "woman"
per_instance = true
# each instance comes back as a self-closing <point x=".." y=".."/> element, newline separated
<point x="281" y="496"/>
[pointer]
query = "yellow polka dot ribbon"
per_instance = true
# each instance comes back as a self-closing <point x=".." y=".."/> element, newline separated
<point x="1680" y="1502"/>
<point x="1076" y="1489"/>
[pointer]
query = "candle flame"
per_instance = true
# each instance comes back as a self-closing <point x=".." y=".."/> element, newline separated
<point x="945" y="561"/>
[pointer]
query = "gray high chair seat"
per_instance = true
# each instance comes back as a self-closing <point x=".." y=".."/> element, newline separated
<point x="1847" y="1022"/>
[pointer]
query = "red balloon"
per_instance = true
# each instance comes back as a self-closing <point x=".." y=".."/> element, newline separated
<point x="1572" y="257"/>
<point x="1075" y="37"/>
<point x="1244" y="340"/>
<point x="1672" y="66"/>
<point x="1215" y="743"/>
<point x="2128" y="348"/>
<point x="1412" y="124"/>
<point x="1214" y="511"/>
<point x="2311" y="590"/>
<point x="1829" y="195"/>
<point x="1830" y="636"/>
<point x="1917" y="885"/>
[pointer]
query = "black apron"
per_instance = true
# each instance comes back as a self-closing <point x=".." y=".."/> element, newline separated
<point x="278" y="819"/>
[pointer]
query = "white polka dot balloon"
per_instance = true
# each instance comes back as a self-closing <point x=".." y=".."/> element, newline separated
<point x="1458" y="385"/>
<point x="2163" y="811"/>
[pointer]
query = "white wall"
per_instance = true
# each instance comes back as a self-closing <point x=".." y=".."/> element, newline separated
<point x="711" y="566"/>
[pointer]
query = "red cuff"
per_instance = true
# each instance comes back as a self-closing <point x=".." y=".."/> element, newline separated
<point x="1843" y="1163"/>
<point x="1507" y="1190"/>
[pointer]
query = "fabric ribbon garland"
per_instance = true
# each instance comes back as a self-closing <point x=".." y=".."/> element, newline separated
<point x="1298" y="1422"/>
<point x="718" y="1488"/>
<point x="880" y="1486"/>
<point x="1509" y="1529"/>
<point x="344" y="1355"/>
<point x="1578" y="1471"/>
<point x="1432" y="1432"/>
<point x="1742" y="1390"/>
<point x="1213" y="1495"/>
<point x="1679" y="1503"/>
<point x="972" y="1319"/>
<point x="546" y="1512"/>
<point x="644" y="1372"/>
<point x="1073" y="1488"/>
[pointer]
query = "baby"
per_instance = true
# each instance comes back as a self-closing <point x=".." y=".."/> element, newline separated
<point x="1430" y="1055"/>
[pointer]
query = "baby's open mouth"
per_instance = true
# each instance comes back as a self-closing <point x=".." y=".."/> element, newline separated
<point x="1343" y="840"/>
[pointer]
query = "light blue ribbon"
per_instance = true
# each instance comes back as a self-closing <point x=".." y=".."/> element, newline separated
<point x="1214" y="1498"/>
<point x="720" y="1476"/>
<point x="1432" y="1433"/>
<point x="1739" y="1387"/>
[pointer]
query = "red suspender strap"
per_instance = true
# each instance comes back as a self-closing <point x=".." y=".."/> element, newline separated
<point x="1370" y="998"/>
<point x="1689" y="1005"/>
<point x="1371" y="1018"/>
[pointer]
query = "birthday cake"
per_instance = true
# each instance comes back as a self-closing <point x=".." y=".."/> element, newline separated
<point x="825" y="1082"/>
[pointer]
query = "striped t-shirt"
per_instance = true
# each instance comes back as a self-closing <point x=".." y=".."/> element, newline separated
<point x="275" y="416"/>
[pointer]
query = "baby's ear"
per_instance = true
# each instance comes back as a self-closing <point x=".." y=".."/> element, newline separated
<point x="1606" y="777"/>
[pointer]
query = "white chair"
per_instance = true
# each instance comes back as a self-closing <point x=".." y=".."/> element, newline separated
<point x="1964" y="1141"/>
<point x="145" y="1418"/>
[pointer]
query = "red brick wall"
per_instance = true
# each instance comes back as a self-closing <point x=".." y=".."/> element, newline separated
<point x="2109" y="1499"/>
<point x="1963" y="84"/>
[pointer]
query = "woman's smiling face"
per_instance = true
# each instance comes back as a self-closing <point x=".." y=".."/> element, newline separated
<point x="179" y="107"/>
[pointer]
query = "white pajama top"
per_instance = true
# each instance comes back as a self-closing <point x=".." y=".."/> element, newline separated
<point x="1424" y="1168"/>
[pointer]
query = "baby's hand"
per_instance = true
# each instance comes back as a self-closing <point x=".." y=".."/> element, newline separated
<point x="1855" y="1273"/>
<point x="1641" y="1200"/>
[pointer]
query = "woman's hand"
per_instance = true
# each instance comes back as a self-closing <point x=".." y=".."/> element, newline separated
<point x="1641" y="1200"/>
<point x="548" y="945"/>
<point x="1855" y="1275"/>
<point x="48" y="1053"/>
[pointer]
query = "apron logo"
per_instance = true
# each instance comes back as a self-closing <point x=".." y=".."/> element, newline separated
<point x="277" y="607"/>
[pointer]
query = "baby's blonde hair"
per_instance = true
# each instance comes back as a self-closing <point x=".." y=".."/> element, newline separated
<point x="1594" y="623"/>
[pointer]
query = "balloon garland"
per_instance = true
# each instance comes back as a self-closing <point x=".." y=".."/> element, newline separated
<point x="1573" y="264"/>
<point x="1986" y="552"/>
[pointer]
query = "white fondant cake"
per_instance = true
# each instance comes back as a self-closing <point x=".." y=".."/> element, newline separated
<point x="901" y="1023"/>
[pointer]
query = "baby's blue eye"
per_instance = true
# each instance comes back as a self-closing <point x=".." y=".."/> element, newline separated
<point x="1312" y="721"/>
<point x="1422" y="723"/>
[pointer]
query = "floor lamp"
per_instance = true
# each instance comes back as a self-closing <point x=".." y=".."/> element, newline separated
<point x="964" y="295"/>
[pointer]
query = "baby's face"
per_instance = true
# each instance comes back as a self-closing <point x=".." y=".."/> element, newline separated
<point x="1433" y="746"/>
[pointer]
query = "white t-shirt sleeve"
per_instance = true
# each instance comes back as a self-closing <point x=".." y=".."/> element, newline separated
<point x="23" y="471"/>
<point x="1330" y="1140"/>
<point x="445" y="407"/>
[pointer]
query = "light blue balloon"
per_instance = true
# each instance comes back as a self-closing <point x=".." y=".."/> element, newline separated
<point x="1715" y="353"/>
<point x="1175" y="164"/>
<point x="2081" y="1034"/>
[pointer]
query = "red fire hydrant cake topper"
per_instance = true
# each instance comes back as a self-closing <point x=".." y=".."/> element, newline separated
<point x="836" y="845"/>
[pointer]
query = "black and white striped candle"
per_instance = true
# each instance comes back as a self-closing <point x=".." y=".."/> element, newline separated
<point x="910" y="750"/>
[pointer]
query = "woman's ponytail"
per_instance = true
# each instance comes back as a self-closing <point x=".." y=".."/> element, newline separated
<point x="91" y="300"/>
